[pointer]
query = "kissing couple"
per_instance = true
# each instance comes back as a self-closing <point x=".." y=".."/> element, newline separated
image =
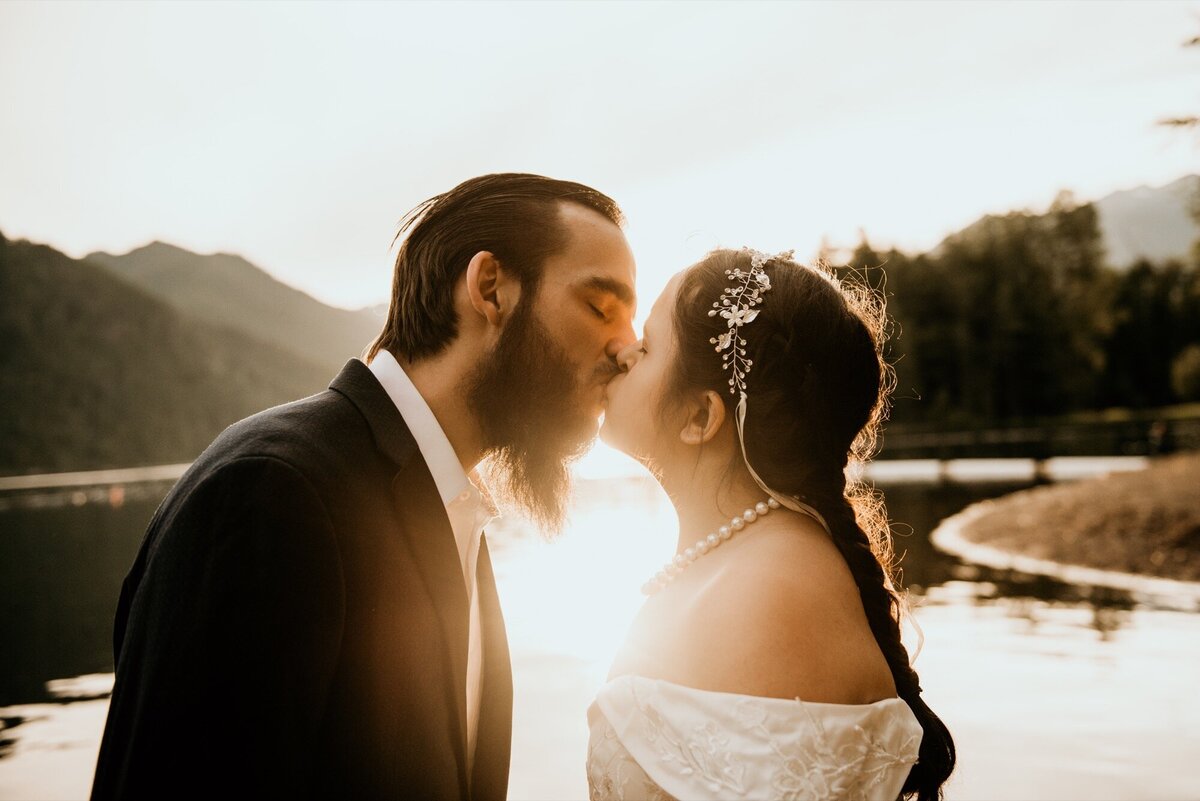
<point x="313" y="612"/>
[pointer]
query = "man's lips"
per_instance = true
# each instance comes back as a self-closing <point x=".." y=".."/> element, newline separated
<point x="606" y="386"/>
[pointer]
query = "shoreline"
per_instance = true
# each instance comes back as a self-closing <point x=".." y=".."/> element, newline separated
<point x="1092" y="532"/>
<point x="960" y="470"/>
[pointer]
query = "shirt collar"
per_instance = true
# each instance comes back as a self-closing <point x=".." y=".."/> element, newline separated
<point x="448" y="475"/>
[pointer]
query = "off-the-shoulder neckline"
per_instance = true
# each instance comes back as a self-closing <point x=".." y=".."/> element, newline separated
<point x="768" y="698"/>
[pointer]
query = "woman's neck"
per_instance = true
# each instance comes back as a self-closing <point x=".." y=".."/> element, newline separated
<point x="705" y="500"/>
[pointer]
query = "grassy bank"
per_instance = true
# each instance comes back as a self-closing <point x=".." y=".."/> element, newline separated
<point x="1145" y="522"/>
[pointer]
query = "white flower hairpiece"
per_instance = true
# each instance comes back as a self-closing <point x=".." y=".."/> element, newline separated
<point x="737" y="305"/>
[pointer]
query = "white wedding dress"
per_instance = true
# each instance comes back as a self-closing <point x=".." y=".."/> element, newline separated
<point x="652" y="739"/>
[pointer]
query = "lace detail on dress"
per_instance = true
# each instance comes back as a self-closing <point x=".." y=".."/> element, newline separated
<point x="612" y="774"/>
<point x="853" y="768"/>
<point x="705" y="755"/>
<point x="657" y="740"/>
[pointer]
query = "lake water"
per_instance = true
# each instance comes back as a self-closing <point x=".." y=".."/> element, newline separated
<point x="1052" y="691"/>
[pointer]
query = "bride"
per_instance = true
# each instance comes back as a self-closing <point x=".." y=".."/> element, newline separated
<point x="766" y="662"/>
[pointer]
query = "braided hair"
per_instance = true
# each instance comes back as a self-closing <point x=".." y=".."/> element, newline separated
<point x="818" y="394"/>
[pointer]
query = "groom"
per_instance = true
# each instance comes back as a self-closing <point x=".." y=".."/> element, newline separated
<point x="312" y="612"/>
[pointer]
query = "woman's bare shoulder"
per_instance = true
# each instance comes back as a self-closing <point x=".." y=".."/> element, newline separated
<point x="783" y="619"/>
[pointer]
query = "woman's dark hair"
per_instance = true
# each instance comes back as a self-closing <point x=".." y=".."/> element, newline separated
<point x="513" y="216"/>
<point x="817" y="394"/>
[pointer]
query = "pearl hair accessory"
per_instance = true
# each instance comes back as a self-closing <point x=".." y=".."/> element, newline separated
<point x="736" y="306"/>
<point x="706" y="545"/>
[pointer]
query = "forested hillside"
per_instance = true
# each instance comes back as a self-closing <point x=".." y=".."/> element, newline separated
<point x="1020" y="317"/>
<point x="229" y="291"/>
<point x="1017" y="318"/>
<point x="95" y="372"/>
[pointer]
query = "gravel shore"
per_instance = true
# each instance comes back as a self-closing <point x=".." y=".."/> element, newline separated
<point x="1145" y="522"/>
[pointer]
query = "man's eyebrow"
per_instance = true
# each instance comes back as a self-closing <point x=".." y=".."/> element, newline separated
<point x="620" y="290"/>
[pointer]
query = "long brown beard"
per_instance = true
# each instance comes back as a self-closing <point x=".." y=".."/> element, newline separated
<point x="524" y="395"/>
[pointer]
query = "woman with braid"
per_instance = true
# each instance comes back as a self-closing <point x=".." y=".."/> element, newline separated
<point x="767" y="661"/>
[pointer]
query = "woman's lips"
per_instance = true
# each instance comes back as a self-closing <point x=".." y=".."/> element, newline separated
<point x="605" y="390"/>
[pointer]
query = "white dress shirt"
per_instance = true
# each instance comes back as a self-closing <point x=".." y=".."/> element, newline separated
<point x="466" y="507"/>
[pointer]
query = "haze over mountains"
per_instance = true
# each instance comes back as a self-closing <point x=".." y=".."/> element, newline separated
<point x="1149" y="223"/>
<point x="142" y="358"/>
<point x="1157" y="224"/>
<point x="95" y="372"/>
<point x="227" y="290"/>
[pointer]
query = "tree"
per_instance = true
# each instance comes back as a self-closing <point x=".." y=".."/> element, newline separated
<point x="1185" y="373"/>
<point x="1185" y="121"/>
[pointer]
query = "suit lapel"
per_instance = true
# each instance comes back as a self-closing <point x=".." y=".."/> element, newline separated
<point x="426" y="532"/>
<point x="494" y="743"/>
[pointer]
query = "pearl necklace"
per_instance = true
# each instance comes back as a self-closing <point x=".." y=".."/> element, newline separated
<point x="705" y="544"/>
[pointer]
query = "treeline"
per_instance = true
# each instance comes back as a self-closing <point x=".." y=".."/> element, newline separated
<point x="1019" y="317"/>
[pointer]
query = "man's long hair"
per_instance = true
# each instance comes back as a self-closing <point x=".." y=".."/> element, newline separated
<point x="513" y="216"/>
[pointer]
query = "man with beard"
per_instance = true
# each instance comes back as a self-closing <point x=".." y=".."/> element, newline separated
<point x="313" y="611"/>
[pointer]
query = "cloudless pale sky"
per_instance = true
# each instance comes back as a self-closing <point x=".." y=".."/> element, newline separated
<point x="297" y="134"/>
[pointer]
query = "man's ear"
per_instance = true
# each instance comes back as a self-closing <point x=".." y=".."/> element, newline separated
<point x="705" y="417"/>
<point x="492" y="291"/>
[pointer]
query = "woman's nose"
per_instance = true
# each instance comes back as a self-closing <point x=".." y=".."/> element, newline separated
<point x="627" y="355"/>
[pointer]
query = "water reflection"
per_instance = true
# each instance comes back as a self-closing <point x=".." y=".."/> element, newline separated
<point x="943" y="578"/>
<point x="6" y="742"/>
<point x="1021" y="664"/>
<point x="63" y="556"/>
<point x="62" y="560"/>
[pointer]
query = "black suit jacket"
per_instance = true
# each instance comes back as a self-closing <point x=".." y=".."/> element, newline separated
<point x="295" y="623"/>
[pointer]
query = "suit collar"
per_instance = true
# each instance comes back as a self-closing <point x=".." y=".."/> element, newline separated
<point x="361" y="388"/>
<point x="431" y="438"/>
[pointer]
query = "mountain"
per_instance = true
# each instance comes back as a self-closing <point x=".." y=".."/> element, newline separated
<point x="1151" y="223"/>
<point x="95" y="372"/>
<point x="226" y="290"/>
<point x="1154" y="223"/>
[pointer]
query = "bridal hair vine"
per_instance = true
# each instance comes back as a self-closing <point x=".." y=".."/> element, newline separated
<point x="737" y="306"/>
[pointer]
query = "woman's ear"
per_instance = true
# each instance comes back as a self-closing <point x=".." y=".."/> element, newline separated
<point x="492" y="291"/>
<point x="705" y="418"/>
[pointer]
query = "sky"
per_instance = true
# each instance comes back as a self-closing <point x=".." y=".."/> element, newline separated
<point x="297" y="135"/>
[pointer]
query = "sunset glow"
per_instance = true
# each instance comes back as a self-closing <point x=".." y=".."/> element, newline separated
<point x="297" y="136"/>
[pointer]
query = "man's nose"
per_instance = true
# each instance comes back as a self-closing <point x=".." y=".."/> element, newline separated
<point x="620" y="342"/>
